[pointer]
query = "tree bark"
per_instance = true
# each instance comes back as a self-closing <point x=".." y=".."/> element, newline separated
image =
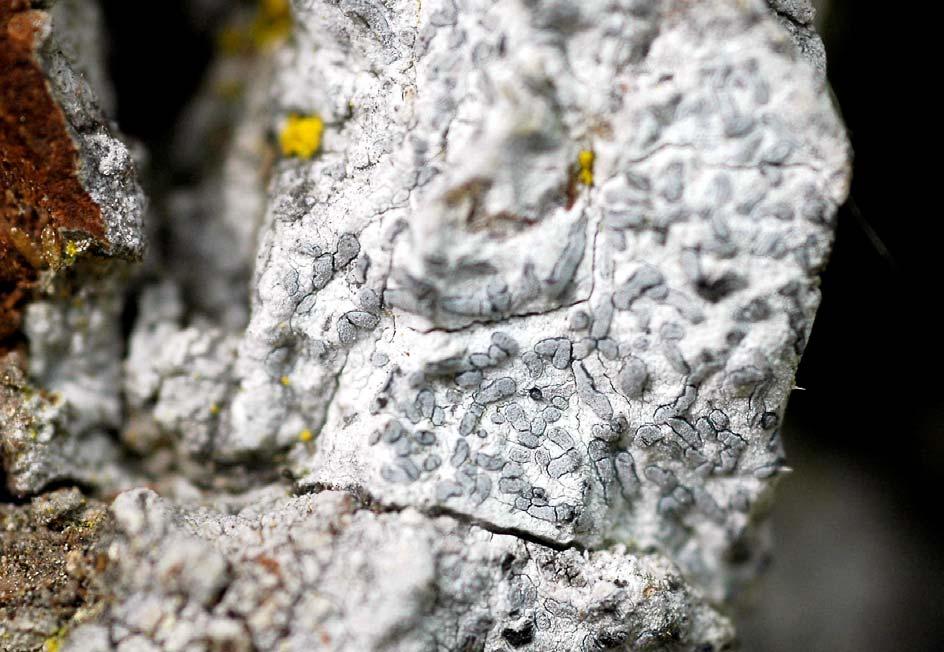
<point x="473" y="331"/>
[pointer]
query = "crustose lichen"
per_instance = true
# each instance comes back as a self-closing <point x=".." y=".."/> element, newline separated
<point x="301" y="136"/>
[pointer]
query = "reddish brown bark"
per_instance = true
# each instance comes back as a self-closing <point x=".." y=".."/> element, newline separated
<point x="40" y="188"/>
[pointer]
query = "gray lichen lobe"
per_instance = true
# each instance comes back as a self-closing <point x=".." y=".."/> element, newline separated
<point x="522" y="331"/>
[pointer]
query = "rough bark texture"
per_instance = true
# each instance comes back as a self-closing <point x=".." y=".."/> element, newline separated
<point x="71" y="215"/>
<point x="52" y="559"/>
<point x="497" y="361"/>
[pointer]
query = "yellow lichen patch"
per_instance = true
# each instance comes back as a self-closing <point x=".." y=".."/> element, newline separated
<point x="268" y="27"/>
<point x="305" y="436"/>
<point x="301" y="136"/>
<point x="585" y="167"/>
<point x="285" y="380"/>
<point x="72" y="250"/>
<point x="273" y="23"/>
<point x="54" y="642"/>
<point x="214" y="409"/>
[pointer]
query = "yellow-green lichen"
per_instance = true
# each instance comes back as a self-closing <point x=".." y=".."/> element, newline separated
<point x="54" y="642"/>
<point x="71" y="250"/>
<point x="301" y="136"/>
<point x="269" y="26"/>
<point x="273" y="23"/>
<point x="585" y="161"/>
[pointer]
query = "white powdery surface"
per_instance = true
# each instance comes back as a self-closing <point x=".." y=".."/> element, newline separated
<point x="316" y="573"/>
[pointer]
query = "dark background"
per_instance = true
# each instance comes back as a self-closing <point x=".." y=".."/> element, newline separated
<point x="858" y="563"/>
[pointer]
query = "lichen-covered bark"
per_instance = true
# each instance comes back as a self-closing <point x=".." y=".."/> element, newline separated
<point x="63" y="176"/>
<point x="42" y="193"/>
<point x="521" y="331"/>
<point x="317" y="573"/>
<point x="52" y="559"/>
<point x="70" y="214"/>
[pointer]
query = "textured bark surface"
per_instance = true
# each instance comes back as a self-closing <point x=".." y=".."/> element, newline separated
<point x="473" y="330"/>
<point x="52" y="562"/>
<point x="70" y="216"/>
<point x="67" y="185"/>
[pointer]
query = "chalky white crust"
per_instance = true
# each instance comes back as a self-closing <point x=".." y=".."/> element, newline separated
<point x="511" y="396"/>
<point x="469" y="331"/>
